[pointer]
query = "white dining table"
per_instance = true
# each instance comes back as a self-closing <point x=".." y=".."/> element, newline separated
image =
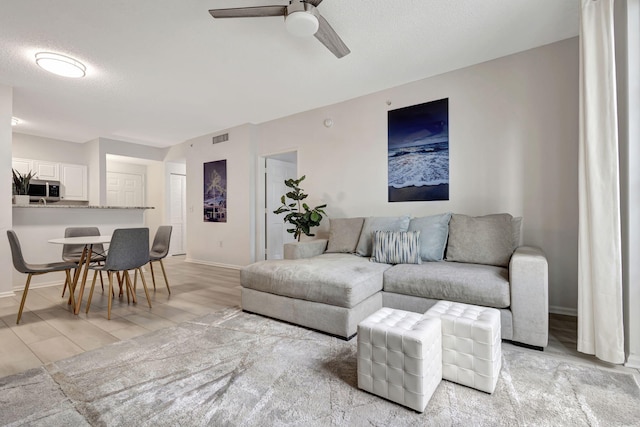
<point x="85" y="260"/>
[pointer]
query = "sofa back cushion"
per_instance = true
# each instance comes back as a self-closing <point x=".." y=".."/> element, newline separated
<point x="481" y="240"/>
<point x="396" y="247"/>
<point x="379" y="223"/>
<point x="344" y="234"/>
<point x="433" y="235"/>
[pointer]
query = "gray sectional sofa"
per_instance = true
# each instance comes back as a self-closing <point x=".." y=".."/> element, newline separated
<point x="409" y="264"/>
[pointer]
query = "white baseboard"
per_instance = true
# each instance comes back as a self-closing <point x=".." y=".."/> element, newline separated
<point x="19" y="289"/>
<point x="633" y="361"/>
<point x="7" y="294"/>
<point x="563" y="310"/>
<point x="213" y="264"/>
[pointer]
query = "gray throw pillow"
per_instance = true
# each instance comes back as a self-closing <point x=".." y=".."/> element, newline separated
<point x="481" y="240"/>
<point x="375" y="223"/>
<point x="396" y="247"/>
<point x="434" y="230"/>
<point x="344" y="234"/>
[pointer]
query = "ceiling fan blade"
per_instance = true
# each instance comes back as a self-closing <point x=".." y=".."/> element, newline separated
<point x="249" y="12"/>
<point x="313" y="2"/>
<point x="330" y="39"/>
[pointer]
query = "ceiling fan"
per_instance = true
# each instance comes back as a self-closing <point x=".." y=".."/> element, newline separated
<point x="301" y="18"/>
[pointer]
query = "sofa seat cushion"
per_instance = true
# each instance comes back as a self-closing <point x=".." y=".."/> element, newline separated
<point x="342" y="280"/>
<point x="476" y="284"/>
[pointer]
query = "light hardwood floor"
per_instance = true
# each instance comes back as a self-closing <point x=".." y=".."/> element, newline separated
<point x="49" y="331"/>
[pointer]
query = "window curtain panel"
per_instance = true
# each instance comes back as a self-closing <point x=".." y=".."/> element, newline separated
<point x="600" y="315"/>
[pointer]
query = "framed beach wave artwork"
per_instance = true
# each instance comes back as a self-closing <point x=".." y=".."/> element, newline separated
<point x="418" y="152"/>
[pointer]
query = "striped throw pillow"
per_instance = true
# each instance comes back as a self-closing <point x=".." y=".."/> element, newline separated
<point x="396" y="247"/>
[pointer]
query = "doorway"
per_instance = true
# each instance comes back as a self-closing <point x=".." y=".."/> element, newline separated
<point x="178" y="213"/>
<point x="278" y="168"/>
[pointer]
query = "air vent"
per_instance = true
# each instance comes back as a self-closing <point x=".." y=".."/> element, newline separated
<point x="221" y="138"/>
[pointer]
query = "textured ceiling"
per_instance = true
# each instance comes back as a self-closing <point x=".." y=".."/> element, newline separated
<point x="163" y="71"/>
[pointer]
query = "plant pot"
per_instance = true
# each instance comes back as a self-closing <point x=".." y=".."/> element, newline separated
<point x="21" y="199"/>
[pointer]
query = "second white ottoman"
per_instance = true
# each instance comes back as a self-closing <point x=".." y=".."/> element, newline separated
<point x="471" y="344"/>
<point x="400" y="356"/>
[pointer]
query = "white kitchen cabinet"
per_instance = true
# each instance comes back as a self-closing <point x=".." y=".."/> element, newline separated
<point x="24" y="166"/>
<point x="46" y="171"/>
<point x="73" y="180"/>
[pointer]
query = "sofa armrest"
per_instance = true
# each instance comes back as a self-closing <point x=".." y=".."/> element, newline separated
<point x="529" y="282"/>
<point x="306" y="249"/>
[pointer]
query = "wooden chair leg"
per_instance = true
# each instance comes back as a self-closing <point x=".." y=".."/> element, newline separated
<point x="153" y="276"/>
<point x="119" y="283"/>
<point x="164" y="273"/>
<point x="72" y="291"/>
<point x="144" y="284"/>
<point x="24" y="297"/>
<point x="67" y="282"/>
<point x="110" y="274"/>
<point x="129" y="287"/>
<point x="93" y="285"/>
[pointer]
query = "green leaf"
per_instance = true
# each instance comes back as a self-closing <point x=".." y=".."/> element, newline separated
<point x="299" y="215"/>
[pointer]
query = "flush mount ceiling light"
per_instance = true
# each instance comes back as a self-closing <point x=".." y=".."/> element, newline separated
<point x="15" y="121"/>
<point x="301" y="20"/>
<point x="60" y="64"/>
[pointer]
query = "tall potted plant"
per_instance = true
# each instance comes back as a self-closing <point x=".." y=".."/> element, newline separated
<point x="299" y="215"/>
<point x="21" y="187"/>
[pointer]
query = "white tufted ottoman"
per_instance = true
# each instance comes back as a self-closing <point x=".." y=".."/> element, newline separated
<point x="471" y="344"/>
<point x="400" y="356"/>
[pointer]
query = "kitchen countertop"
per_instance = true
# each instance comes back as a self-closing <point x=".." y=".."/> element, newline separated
<point x="59" y="206"/>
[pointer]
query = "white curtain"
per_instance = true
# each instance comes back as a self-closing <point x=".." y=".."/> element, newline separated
<point x="600" y="316"/>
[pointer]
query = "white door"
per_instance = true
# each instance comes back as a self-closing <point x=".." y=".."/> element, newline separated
<point x="277" y="171"/>
<point x="178" y="213"/>
<point x="124" y="189"/>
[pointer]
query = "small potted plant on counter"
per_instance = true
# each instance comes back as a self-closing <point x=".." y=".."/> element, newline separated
<point x="21" y="187"/>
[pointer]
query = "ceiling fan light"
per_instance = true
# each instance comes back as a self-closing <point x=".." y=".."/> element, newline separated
<point x="60" y="64"/>
<point x="302" y="24"/>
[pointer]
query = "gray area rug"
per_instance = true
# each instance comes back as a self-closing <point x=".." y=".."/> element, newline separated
<point x="233" y="368"/>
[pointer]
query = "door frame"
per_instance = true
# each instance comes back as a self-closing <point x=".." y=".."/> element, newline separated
<point x="184" y="217"/>
<point x="261" y="185"/>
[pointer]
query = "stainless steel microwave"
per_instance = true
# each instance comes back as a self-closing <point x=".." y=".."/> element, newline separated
<point x="47" y="190"/>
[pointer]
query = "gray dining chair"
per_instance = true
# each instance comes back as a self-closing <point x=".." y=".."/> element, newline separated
<point x="159" y="250"/>
<point x="73" y="253"/>
<point x="34" y="269"/>
<point x="128" y="250"/>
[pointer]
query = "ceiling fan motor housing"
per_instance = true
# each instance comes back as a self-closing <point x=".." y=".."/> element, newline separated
<point x="301" y="19"/>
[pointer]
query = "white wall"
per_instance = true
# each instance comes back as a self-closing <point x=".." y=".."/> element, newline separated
<point x="513" y="148"/>
<point x="49" y="149"/>
<point x="6" y="110"/>
<point x="627" y="22"/>
<point x="231" y="243"/>
<point x="95" y="173"/>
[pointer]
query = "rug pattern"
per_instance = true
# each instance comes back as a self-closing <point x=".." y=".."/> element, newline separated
<point x="232" y="368"/>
